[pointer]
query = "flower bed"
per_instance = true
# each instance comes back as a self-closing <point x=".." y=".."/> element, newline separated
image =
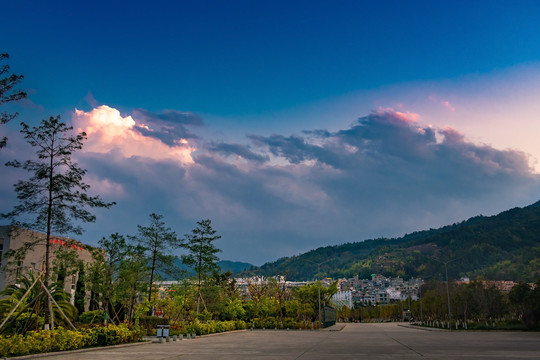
<point x="37" y="342"/>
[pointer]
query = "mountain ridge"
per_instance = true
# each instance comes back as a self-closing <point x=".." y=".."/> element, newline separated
<point x="505" y="246"/>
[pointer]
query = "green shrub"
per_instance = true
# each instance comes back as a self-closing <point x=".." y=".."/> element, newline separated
<point x="24" y="321"/>
<point x="36" y="342"/>
<point x="92" y="317"/>
<point x="202" y="328"/>
<point x="272" y="323"/>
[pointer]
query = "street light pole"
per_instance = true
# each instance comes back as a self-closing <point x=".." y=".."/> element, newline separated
<point x="319" y="314"/>
<point x="447" y="291"/>
<point x="447" y="288"/>
<point x="420" y="298"/>
<point x="318" y="273"/>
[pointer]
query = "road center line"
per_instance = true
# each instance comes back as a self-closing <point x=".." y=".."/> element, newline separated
<point x="408" y="347"/>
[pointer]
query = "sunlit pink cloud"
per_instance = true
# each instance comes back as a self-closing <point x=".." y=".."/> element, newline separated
<point x="108" y="130"/>
<point x="407" y="118"/>
<point x="448" y="106"/>
<point x="451" y="135"/>
<point x="445" y="103"/>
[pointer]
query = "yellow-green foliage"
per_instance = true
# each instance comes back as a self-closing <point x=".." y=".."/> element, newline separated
<point x="201" y="328"/>
<point x="36" y="342"/>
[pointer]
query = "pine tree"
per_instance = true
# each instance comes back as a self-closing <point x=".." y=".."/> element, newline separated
<point x="55" y="195"/>
<point x="155" y="239"/>
<point x="202" y="253"/>
<point x="8" y="93"/>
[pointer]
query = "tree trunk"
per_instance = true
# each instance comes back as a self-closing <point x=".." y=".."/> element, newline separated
<point x="199" y="279"/>
<point x="48" y="237"/>
<point x="154" y="256"/>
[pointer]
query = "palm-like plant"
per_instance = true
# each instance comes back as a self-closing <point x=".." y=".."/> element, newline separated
<point x="36" y="301"/>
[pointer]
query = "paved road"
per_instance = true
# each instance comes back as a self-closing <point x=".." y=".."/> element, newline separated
<point x="355" y="341"/>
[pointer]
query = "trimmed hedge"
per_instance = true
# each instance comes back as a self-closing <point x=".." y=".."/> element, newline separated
<point x="272" y="322"/>
<point x="212" y="327"/>
<point x="43" y="341"/>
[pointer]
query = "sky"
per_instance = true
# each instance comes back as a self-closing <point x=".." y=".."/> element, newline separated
<point x="290" y="124"/>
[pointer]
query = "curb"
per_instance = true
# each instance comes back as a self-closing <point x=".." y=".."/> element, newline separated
<point x="35" y="356"/>
<point x="423" y="328"/>
<point x="155" y="339"/>
<point x="337" y="327"/>
<point x="145" y="342"/>
<point x="222" y="333"/>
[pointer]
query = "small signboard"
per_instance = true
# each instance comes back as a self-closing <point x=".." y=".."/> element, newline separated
<point x="163" y="330"/>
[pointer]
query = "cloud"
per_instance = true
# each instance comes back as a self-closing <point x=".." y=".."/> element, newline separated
<point x="383" y="132"/>
<point x="278" y="195"/>
<point x="91" y="100"/>
<point x="105" y="187"/>
<point x="293" y="148"/>
<point x="405" y="118"/>
<point x="389" y="137"/>
<point x="167" y="126"/>
<point x="448" y="105"/>
<point x="241" y="151"/>
<point x="444" y="103"/>
<point x="108" y="131"/>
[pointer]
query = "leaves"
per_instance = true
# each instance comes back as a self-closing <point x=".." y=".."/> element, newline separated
<point x="55" y="194"/>
<point x="157" y="242"/>
<point x="202" y="252"/>
<point x="8" y="93"/>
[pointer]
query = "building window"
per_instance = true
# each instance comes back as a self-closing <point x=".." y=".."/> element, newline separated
<point x="73" y="281"/>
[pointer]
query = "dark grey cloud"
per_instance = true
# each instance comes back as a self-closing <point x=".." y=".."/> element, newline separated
<point x="170" y="117"/>
<point x="385" y="140"/>
<point x="293" y="148"/>
<point x="237" y="149"/>
<point x="169" y="126"/>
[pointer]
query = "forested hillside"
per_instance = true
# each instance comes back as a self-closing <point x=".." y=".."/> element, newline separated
<point x="501" y="247"/>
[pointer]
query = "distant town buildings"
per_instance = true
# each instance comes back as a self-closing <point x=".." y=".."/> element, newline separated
<point x="377" y="290"/>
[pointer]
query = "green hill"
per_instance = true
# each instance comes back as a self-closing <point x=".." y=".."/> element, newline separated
<point x="225" y="265"/>
<point x="501" y="247"/>
<point x="234" y="266"/>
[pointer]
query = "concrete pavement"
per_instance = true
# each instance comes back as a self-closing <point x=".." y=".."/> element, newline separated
<point x="354" y="341"/>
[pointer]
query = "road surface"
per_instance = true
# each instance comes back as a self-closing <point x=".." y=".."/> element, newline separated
<point x="354" y="341"/>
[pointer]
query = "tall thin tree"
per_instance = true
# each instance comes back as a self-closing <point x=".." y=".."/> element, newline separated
<point x="117" y="250"/>
<point x="159" y="241"/>
<point x="55" y="195"/>
<point x="202" y="252"/>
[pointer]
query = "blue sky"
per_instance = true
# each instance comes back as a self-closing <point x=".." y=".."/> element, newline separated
<point x="291" y="125"/>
